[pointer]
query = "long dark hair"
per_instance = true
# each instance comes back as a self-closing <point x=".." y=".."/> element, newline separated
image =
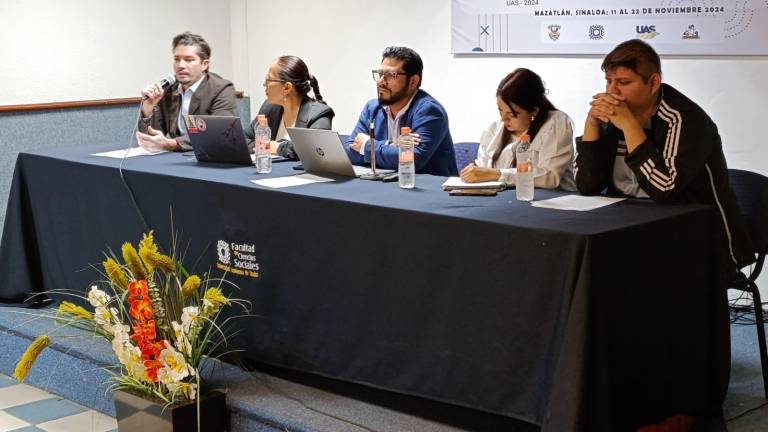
<point x="293" y="70"/>
<point x="524" y="88"/>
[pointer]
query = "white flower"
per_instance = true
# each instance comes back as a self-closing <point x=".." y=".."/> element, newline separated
<point x="188" y="316"/>
<point x="103" y="317"/>
<point x="118" y="346"/>
<point x="175" y="367"/>
<point x="182" y="341"/>
<point x="121" y="332"/>
<point x="207" y="306"/>
<point x="122" y="348"/>
<point x="188" y="389"/>
<point x="97" y="297"/>
<point x="135" y="364"/>
<point x="178" y="331"/>
<point x="130" y="357"/>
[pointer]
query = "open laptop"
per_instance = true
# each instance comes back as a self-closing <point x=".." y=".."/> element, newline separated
<point x="321" y="152"/>
<point x="218" y="139"/>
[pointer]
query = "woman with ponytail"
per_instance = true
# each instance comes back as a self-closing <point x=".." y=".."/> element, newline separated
<point x="525" y="109"/>
<point x="287" y="87"/>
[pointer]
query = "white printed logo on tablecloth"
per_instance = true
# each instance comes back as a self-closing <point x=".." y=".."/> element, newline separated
<point x="223" y="249"/>
<point x="237" y="258"/>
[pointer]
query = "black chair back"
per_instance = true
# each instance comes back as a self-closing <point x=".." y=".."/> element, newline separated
<point x="751" y="191"/>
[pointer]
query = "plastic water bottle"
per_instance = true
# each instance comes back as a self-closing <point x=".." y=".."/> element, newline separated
<point x="262" y="136"/>
<point x="524" y="175"/>
<point x="406" y="167"/>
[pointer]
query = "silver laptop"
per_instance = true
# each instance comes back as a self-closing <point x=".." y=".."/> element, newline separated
<point x="217" y="139"/>
<point x="321" y="152"/>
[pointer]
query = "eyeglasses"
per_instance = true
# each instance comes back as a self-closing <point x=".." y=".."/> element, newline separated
<point x="268" y="80"/>
<point x="387" y="75"/>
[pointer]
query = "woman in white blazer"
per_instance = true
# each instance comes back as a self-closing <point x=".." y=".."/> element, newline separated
<point x="525" y="109"/>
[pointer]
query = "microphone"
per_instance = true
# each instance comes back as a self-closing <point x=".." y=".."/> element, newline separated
<point x="164" y="83"/>
<point x="372" y="175"/>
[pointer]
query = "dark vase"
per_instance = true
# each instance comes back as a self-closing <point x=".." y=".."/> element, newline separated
<point x="138" y="414"/>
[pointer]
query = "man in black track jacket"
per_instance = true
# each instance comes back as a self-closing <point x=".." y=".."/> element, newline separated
<point x="645" y="139"/>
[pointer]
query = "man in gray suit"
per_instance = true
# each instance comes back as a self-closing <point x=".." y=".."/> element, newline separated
<point x="196" y="91"/>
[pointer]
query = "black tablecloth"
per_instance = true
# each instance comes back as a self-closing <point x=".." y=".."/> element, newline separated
<point x="601" y="320"/>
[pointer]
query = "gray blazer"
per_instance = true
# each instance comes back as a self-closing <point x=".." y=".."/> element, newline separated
<point x="215" y="96"/>
<point x="312" y="115"/>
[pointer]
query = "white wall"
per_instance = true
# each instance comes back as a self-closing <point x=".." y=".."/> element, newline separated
<point x="57" y="51"/>
<point x="342" y="40"/>
<point x="94" y="49"/>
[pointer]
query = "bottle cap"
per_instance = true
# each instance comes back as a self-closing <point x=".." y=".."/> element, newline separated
<point x="262" y="119"/>
<point x="405" y="130"/>
<point x="525" y="137"/>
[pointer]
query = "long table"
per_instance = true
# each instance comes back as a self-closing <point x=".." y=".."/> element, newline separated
<point x="601" y="320"/>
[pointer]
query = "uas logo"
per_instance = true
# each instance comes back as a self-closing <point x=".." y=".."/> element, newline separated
<point x="596" y="32"/>
<point x="646" y="32"/>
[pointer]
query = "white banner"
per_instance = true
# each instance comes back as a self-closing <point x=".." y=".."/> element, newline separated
<point x="673" y="27"/>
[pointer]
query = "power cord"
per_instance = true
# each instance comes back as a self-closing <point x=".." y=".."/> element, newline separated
<point x="738" y="416"/>
<point x="128" y="189"/>
<point x="266" y="384"/>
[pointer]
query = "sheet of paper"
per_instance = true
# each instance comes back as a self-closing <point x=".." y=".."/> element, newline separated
<point x="361" y="170"/>
<point x="133" y="151"/>
<point x="576" y="202"/>
<point x="457" y="183"/>
<point x="297" y="180"/>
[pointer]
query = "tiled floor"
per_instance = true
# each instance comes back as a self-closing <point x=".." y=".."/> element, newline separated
<point x="26" y="409"/>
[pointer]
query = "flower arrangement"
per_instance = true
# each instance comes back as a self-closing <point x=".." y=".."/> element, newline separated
<point x="160" y="320"/>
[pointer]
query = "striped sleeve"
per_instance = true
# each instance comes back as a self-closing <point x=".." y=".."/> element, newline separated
<point x="664" y="171"/>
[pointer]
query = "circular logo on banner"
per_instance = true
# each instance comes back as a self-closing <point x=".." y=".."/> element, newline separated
<point x="200" y="124"/>
<point x="596" y="32"/>
<point x="319" y="151"/>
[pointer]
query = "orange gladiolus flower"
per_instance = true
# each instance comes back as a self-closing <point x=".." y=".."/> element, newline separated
<point x="152" y="367"/>
<point x="138" y="289"/>
<point x="141" y="310"/>
<point x="150" y="350"/>
<point x="145" y="331"/>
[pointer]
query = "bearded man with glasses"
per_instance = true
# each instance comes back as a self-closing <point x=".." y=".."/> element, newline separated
<point x="402" y="103"/>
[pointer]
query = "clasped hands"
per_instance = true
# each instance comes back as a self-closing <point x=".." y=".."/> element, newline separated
<point x="607" y="107"/>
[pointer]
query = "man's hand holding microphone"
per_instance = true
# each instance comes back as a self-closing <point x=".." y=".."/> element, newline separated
<point x="154" y="140"/>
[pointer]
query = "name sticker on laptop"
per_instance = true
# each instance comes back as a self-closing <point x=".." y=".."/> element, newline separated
<point x="194" y="124"/>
